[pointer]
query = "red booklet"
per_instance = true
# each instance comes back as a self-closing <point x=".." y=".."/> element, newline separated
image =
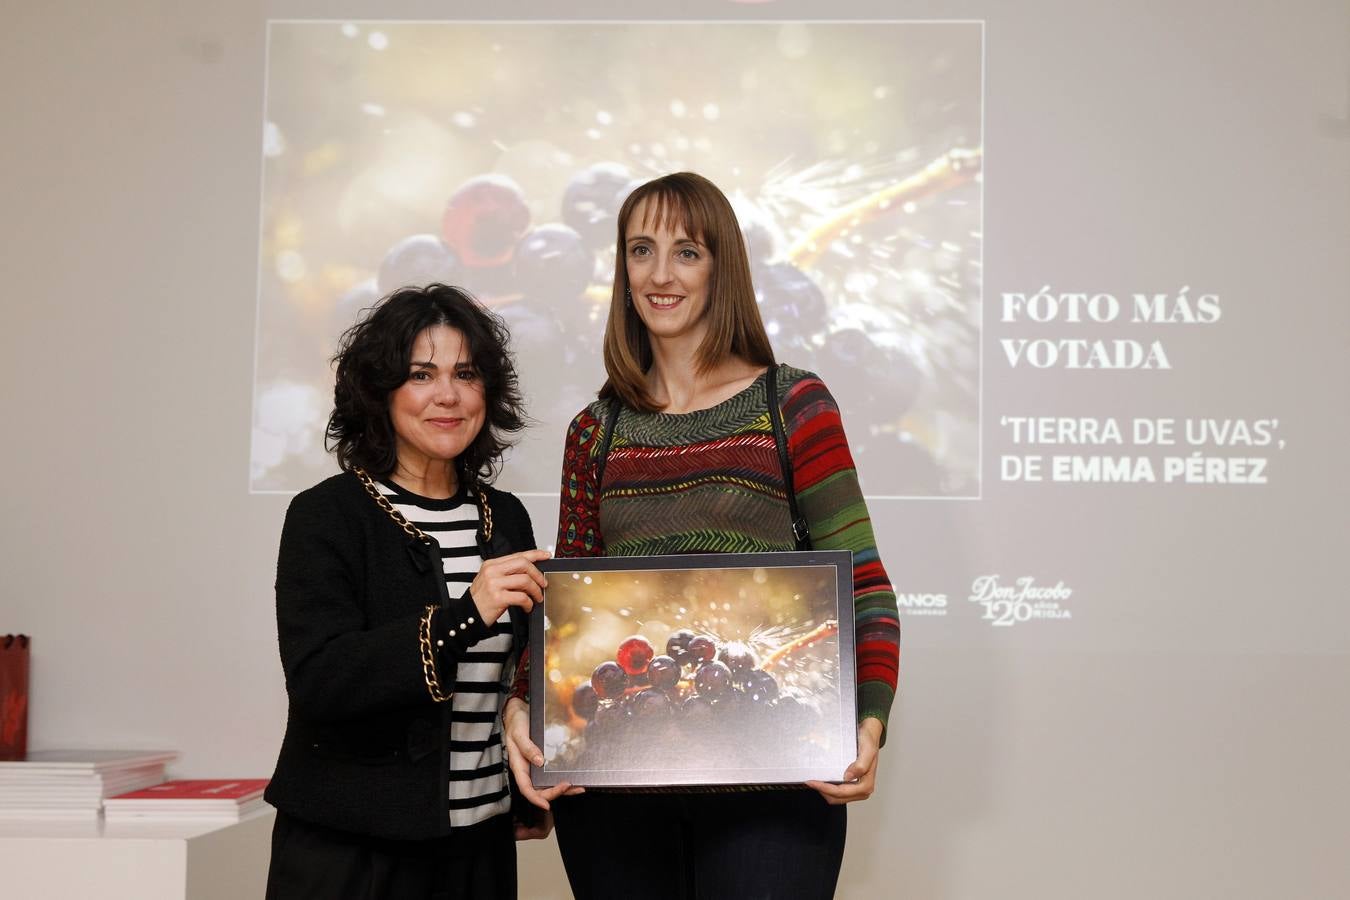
<point x="13" y="696"/>
<point x="226" y="790"/>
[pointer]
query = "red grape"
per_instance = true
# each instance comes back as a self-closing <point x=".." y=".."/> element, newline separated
<point x="635" y="653"/>
<point x="484" y="219"/>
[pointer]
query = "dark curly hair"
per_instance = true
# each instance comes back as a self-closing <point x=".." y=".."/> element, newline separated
<point x="373" y="360"/>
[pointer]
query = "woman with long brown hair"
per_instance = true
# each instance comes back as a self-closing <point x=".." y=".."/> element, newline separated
<point x="691" y="374"/>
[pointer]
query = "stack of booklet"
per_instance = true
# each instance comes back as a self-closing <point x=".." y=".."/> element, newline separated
<point x="72" y="784"/>
<point x="221" y="799"/>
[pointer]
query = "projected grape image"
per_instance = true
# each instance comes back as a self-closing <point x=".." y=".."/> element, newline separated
<point x="684" y="671"/>
<point x="496" y="157"/>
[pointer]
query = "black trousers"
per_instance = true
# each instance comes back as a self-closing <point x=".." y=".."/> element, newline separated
<point x="311" y="862"/>
<point x="752" y="845"/>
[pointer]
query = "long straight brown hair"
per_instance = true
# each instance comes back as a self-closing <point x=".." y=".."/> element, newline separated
<point x="694" y="204"/>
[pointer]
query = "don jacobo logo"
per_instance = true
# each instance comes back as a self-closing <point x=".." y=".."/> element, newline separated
<point x="912" y="604"/>
<point x="1009" y="602"/>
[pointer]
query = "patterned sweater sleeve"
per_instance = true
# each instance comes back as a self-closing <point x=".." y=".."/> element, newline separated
<point x="832" y="502"/>
<point x="579" y="507"/>
<point x="578" y="513"/>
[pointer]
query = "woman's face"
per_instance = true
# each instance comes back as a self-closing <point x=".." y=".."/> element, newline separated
<point x="440" y="409"/>
<point x="668" y="276"/>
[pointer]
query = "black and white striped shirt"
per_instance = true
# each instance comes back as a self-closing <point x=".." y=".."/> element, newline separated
<point x="478" y="788"/>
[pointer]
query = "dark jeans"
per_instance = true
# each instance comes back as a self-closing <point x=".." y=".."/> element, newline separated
<point x="311" y="862"/>
<point x="751" y="845"/>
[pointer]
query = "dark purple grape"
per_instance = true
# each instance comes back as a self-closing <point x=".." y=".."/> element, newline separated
<point x="759" y="241"/>
<point x="663" y="672"/>
<point x="650" y="704"/>
<point x="739" y="658"/>
<point x="712" y="679"/>
<point x="790" y="302"/>
<point x="353" y="305"/>
<point x="552" y="264"/>
<point x="609" y="680"/>
<point x="533" y="325"/>
<point x="678" y="642"/>
<point x="591" y="202"/>
<point x="541" y="355"/>
<point x="585" y="701"/>
<point x="610" y="715"/>
<point x="489" y="281"/>
<point x="417" y="261"/>
<point x="761" y="686"/>
<point x="635" y="654"/>
<point x="889" y="392"/>
<point x="702" y="649"/>
<point x="897" y="380"/>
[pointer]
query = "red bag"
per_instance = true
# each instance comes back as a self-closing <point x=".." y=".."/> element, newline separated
<point x="14" y="696"/>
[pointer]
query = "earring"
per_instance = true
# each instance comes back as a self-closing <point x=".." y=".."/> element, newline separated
<point x="628" y="296"/>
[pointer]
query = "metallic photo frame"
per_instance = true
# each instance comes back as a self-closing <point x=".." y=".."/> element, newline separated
<point x="700" y="669"/>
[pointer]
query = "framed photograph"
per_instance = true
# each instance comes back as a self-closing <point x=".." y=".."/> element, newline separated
<point x="695" y="670"/>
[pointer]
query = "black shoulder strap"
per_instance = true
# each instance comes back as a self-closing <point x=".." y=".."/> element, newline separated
<point x="611" y="420"/>
<point x="801" y="532"/>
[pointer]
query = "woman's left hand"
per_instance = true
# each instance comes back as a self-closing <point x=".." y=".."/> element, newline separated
<point x="536" y="830"/>
<point x="860" y="778"/>
<point x="520" y="752"/>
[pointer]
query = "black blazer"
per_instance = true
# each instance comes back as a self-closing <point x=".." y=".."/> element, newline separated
<point x="366" y="747"/>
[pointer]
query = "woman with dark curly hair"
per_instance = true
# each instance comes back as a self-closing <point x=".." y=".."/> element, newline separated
<point x="403" y="586"/>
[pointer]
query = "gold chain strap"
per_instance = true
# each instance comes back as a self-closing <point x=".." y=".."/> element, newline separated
<point x="383" y="502"/>
<point x="484" y="510"/>
<point x="424" y="642"/>
<point x="429" y="658"/>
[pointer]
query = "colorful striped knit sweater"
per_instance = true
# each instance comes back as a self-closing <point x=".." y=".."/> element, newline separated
<point x="710" y="482"/>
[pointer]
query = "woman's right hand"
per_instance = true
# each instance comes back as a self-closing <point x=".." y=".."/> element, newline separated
<point x="511" y="580"/>
<point x="521" y="752"/>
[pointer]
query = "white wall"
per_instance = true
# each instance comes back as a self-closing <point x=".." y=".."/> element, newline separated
<point x="134" y="555"/>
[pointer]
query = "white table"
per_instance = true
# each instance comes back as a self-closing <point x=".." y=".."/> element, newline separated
<point x="53" y="860"/>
